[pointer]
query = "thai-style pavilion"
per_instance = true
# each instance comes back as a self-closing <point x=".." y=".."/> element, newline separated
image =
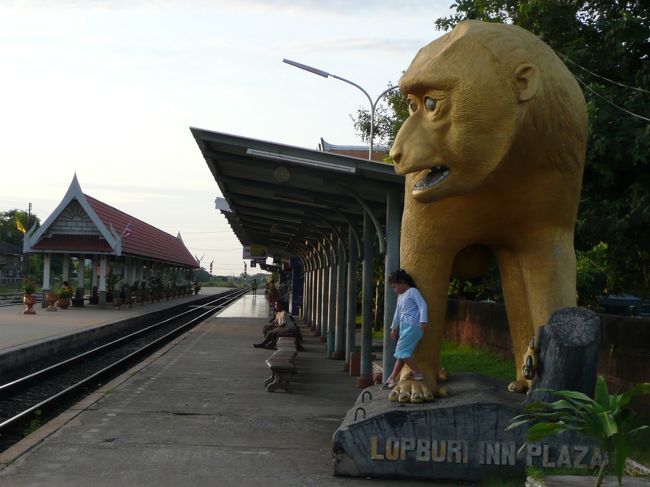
<point x="85" y="231"/>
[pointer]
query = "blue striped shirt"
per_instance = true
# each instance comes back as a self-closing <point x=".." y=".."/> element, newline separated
<point x="411" y="309"/>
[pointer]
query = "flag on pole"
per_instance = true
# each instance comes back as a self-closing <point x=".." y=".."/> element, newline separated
<point x="126" y="233"/>
<point x="20" y="227"/>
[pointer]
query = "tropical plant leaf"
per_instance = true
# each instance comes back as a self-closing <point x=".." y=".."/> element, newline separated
<point x="516" y="424"/>
<point x="621" y="455"/>
<point x="542" y="430"/>
<point x="602" y="393"/>
<point x="608" y="423"/>
<point x="637" y="390"/>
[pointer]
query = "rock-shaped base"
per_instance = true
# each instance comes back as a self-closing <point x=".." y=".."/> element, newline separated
<point x="460" y="437"/>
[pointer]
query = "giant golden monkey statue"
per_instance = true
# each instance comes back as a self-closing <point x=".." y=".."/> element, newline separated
<point x="493" y="152"/>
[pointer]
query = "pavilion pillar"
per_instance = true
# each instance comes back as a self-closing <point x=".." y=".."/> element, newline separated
<point x="66" y="268"/>
<point x="368" y="287"/>
<point x="391" y="263"/>
<point x="341" y="281"/>
<point x="351" y="302"/>
<point x="78" y="299"/>
<point x="103" y="265"/>
<point x="47" y="262"/>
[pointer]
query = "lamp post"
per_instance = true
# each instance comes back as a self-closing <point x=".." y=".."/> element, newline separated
<point x="373" y="105"/>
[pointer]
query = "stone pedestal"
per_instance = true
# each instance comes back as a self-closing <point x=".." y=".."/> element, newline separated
<point x="460" y="437"/>
<point x="568" y="356"/>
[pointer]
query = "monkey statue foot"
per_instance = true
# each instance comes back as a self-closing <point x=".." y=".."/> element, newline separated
<point x="519" y="386"/>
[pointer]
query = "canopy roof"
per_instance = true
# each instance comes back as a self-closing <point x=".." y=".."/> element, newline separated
<point x="84" y="225"/>
<point x="285" y="197"/>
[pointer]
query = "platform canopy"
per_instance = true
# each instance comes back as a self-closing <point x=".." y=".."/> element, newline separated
<point x="285" y="198"/>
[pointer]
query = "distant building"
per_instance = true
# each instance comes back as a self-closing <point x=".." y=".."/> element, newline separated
<point x="9" y="263"/>
<point x="361" y="151"/>
<point x="112" y="242"/>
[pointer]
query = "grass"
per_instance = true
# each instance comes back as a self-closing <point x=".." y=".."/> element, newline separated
<point x="459" y="359"/>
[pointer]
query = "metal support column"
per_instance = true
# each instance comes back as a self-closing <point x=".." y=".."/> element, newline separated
<point x="351" y="301"/>
<point x="341" y="282"/>
<point x="391" y="263"/>
<point x="331" y="308"/>
<point x="368" y="287"/>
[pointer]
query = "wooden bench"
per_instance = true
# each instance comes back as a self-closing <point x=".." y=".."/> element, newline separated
<point x="283" y="365"/>
<point x="377" y="371"/>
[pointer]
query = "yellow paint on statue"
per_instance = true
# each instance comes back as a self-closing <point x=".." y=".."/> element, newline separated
<point x="494" y="152"/>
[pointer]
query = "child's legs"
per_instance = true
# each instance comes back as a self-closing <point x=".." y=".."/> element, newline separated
<point x="399" y="363"/>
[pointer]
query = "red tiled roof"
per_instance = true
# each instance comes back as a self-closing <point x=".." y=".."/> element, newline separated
<point x="144" y="240"/>
<point x="89" y="243"/>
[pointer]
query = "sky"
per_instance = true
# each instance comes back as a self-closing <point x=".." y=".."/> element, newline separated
<point x="109" y="89"/>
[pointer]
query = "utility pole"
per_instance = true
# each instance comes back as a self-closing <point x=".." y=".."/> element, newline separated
<point x="29" y="217"/>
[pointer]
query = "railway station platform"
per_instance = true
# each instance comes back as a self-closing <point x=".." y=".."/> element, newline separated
<point x="197" y="413"/>
<point x="25" y="336"/>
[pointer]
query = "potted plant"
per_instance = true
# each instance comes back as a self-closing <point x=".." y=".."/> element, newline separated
<point x="120" y="297"/>
<point x="50" y="299"/>
<point x="112" y="281"/>
<point x="607" y="418"/>
<point x="196" y="287"/>
<point x="28" y="295"/>
<point x="64" y="293"/>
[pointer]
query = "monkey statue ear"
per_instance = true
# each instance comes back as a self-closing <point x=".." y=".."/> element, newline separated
<point x="526" y="80"/>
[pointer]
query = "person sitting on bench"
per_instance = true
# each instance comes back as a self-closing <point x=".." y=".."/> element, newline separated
<point x="283" y="323"/>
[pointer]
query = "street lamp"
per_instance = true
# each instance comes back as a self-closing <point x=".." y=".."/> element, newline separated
<point x="373" y="105"/>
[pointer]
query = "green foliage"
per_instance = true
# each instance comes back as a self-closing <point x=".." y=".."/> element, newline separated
<point x="9" y="233"/>
<point x="390" y="114"/>
<point x="596" y="275"/>
<point x="29" y="286"/>
<point x="607" y="419"/>
<point x="487" y="287"/>
<point x="462" y="359"/>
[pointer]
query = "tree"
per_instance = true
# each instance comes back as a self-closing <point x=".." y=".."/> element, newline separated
<point x="606" y="44"/>
<point x="9" y="232"/>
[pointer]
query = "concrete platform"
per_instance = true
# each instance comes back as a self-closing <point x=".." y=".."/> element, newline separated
<point x="197" y="413"/>
<point x="18" y="330"/>
<point x="30" y="337"/>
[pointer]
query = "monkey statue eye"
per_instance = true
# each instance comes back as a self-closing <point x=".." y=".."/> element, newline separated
<point x="430" y="103"/>
<point x="412" y="106"/>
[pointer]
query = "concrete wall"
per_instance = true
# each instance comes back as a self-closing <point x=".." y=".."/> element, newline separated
<point x="624" y="354"/>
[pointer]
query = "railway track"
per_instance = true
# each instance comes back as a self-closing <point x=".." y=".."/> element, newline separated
<point x="30" y="400"/>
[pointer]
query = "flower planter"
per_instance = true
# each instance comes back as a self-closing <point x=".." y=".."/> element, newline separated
<point x="63" y="303"/>
<point x="29" y="301"/>
<point x="50" y="299"/>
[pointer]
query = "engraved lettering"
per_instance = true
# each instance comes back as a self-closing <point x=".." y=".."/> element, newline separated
<point x="532" y="451"/>
<point x="508" y="453"/>
<point x="581" y="453"/>
<point x="408" y="444"/>
<point x="545" y="461"/>
<point x="564" y="458"/>
<point x="374" y="455"/>
<point x="492" y="453"/>
<point x="454" y="452"/>
<point x="423" y="451"/>
<point x="438" y="453"/>
<point x="596" y="459"/>
<point x="392" y="449"/>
